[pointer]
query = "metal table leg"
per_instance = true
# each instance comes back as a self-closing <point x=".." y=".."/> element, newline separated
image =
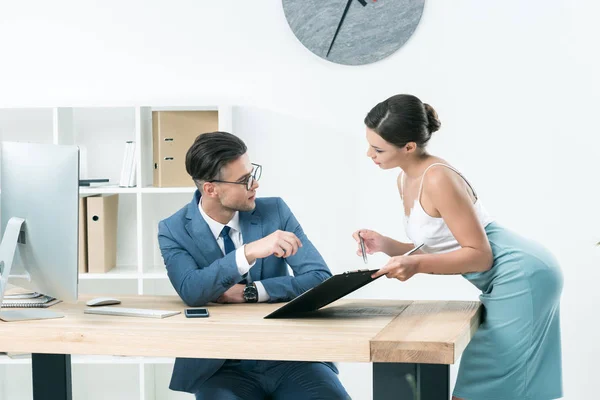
<point x="51" y="376"/>
<point x="432" y="381"/>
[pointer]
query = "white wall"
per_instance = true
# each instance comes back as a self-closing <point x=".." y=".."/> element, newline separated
<point x="513" y="82"/>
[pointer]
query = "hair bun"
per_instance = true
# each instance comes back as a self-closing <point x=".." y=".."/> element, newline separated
<point x="433" y="122"/>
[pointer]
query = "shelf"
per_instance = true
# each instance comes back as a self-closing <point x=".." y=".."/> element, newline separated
<point x="120" y="272"/>
<point x="185" y="108"/>
<point x="128" y="272"/>
<point x="79" y="359"/>
<point x="106" y="189"/>
<point x="6" y="360"/>
<point x="133" y="190"/>
<point x="156" y="272"/>
<point x="151" y="189"/>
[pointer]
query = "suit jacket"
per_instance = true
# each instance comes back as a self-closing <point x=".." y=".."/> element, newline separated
<point x="200" y="273"/>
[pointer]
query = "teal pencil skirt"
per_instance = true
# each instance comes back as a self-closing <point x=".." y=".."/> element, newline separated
<point x="516" y="352"/>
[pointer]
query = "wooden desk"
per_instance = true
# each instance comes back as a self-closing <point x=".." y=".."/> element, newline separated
<point x="398" y="337"/>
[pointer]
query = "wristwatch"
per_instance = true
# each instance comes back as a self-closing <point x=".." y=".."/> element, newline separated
<point x="251" y="293"/>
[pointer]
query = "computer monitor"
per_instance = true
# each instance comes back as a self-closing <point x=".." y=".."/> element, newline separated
<point x="39" y="196"/>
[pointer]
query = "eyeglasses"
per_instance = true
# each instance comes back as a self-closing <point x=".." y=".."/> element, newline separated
<point x="249" y="181"/>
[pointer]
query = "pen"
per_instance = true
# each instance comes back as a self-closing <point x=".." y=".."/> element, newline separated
<point x="408" y="253"/>
<point x="362" y="248"/>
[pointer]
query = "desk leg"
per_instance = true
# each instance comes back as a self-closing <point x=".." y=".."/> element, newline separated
<point x="390" y="383"/>
<point x="51" y="376"/>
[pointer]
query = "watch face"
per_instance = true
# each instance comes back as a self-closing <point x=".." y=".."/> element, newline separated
<point x="250" y="293"/>
<point x="353" y="32"/>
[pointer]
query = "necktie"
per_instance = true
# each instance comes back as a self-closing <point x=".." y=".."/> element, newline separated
<point x="229" y="246"/>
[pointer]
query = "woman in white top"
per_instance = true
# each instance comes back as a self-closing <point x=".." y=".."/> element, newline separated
<point x="516" y="352"/>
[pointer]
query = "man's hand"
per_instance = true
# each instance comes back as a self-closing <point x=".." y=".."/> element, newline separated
<point x="234" y="294"/>
<point x="279" y="243"/>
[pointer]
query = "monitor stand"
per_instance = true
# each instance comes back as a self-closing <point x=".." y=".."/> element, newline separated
<point x="7" y="254"/>
<point x="28" y="314"/>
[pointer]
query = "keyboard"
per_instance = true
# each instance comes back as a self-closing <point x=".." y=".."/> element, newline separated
<point x="130" y="312"/>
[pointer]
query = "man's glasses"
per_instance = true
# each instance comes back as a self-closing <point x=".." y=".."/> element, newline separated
<point x="249" y="180"/>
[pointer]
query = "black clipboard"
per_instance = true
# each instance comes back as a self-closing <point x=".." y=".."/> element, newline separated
<point x="325" y="293"/>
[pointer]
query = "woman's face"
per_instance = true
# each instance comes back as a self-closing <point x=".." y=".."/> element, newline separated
<point x="383" y="154"/>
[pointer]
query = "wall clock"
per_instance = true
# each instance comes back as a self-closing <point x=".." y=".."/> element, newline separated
<point x="353" y="32"/>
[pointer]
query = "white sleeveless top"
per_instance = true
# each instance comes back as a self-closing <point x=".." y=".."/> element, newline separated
<point x="420" y="227"/>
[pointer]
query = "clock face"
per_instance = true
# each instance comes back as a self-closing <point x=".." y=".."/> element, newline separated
<point x="353" y="32"/>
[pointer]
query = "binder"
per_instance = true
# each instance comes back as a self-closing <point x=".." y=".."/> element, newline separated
<point x="83" y="235"/>
<point x="127" y="178"/>
<point x="173" y="132"/>
<point x="102" y="212"/>
<point x="82" y="252"/>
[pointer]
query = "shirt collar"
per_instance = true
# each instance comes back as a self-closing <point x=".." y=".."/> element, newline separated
<point x="215" y="226"/>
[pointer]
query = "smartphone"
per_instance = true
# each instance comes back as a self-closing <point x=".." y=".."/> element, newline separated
<point x="196" y="312"/>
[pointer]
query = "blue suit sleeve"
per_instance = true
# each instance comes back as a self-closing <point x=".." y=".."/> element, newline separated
<point x="308" y="265"/>
<point x="195" y="284"/>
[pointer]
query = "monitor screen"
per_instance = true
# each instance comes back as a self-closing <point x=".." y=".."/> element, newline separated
<point x="39" y="183"/>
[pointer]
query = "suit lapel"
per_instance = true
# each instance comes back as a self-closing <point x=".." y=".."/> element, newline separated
<point x="251" y="226"/>
<point x="201" y="234"/>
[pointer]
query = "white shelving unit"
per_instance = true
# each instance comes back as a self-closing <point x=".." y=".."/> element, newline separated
<point x="5" y="360"/>
<point x="101" y="133"/>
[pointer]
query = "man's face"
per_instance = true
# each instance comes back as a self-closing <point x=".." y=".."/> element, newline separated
<point x="237" y="196"/>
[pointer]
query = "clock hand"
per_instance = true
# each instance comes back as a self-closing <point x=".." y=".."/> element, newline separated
<point x="363" y="3"/>
<point x="339" y="26"/>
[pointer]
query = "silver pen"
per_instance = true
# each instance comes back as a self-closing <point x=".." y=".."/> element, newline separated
<point x="362" y="248"/>
<point x="408" y="253"/>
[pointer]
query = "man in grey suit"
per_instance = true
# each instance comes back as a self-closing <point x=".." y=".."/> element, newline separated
<point x="227" y="246"/>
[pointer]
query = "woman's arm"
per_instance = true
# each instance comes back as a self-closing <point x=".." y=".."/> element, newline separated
<point x="445" y="189"/>
<point x="395" y="248"/>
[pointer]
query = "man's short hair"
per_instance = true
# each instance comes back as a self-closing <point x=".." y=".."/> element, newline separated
<point x="210" y="153"/>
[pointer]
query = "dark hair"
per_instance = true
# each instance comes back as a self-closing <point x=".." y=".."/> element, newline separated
<point x="403" y="118"/>
<point x="211" y="152"/>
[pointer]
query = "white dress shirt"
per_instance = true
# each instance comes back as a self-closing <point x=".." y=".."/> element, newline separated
<point x="236" y="236"/>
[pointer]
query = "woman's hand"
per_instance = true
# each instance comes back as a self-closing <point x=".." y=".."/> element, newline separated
<point x="401" y="267"/>
<point x="374" y="242"/>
